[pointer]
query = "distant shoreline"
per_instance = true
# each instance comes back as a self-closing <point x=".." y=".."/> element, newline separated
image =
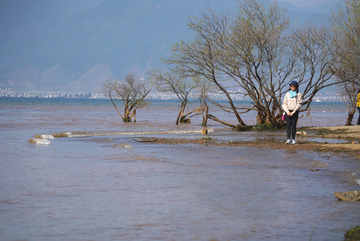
<point x="148" y="99"/>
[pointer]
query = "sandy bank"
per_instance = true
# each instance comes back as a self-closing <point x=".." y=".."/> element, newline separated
<point x="350" y="133"/>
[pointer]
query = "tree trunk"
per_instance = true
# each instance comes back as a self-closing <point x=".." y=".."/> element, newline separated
<point x="127" y="117"/>
<point x="205" y="118"/>
<point x="241" y="123"/>
<point x="133" y="115"/>
<point x="112" y="101"/>
<point x="184" y="120"/>
<point x="260" y="118"/>
<point x="222" y="122"/>
<point x="270" y="121"/>
<point x="276" y="122"/>
<point x="178" y="117"/>
<point x="181" y="112"/>
<point x="350" y="118"/>
<point x="186" y="117"/>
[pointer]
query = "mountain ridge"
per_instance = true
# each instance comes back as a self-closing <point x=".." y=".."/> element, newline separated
<point x="107" y="40"/>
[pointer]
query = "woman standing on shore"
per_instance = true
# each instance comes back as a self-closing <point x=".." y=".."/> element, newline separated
<point x="358" y="106"/>
<point x="291" y="105"/>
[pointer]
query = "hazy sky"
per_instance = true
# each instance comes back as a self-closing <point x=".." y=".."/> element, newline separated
<point x="301" y="3"/>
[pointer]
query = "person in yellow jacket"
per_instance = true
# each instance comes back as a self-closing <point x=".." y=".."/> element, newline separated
<point x="358" y="106"/>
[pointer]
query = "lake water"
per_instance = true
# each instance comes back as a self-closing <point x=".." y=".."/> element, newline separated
<point x="89" y="187"/>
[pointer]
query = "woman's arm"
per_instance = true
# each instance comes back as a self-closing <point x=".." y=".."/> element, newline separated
<point x="285" y="102"/>
<point x="298" y="102"/>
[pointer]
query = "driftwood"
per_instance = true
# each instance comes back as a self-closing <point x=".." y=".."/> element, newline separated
<point x="348" y="196"/>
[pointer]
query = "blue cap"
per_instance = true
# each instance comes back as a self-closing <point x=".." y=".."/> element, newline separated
<point x="294" y="83"/>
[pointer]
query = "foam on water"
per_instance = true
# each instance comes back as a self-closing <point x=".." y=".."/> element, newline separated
<point x="126" y="146"/>
<point x="69" y="134"/>
<point x="47" y="137"/>
<point x="40" y="142"/>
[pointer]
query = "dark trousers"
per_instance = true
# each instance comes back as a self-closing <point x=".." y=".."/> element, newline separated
<point x="358" y="123"/>
<point x="291" y="124"/>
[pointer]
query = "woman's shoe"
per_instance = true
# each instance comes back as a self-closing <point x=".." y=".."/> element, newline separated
<point x="288" y="141"/>
<point x="293" y="142"/>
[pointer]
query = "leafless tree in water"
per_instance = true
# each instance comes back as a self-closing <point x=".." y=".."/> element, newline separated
<point x="201" y="93"/>
<point x="345" y="23"/>
<point x="181" y="86"/>
<point x="256" y="54"/>
<point x="131" y="91"/>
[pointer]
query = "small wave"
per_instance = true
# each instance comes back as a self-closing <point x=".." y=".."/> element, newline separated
<point x="44" y="136"/>
<point x="47" y="137"/>
<point x="41" y="142"/>
<point x="357" y="181"/>
<point x="57" y="135"/>
<point x="69" y="134"/>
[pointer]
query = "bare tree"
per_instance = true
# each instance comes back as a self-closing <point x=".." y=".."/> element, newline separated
<point x="200" y="58"/>
<point x="348" y="91"/>
<point x="181" y="86"/>
<point x="346" y="28"/>
<point x="258" y="57"/>
<point x="202" y="89"/>
<point x="131" y="91"/>
<point x="257" y="53"/>
<point x="315" y="60"/>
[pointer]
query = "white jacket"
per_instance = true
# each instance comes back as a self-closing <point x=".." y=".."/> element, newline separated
<point x="292" y="104"/>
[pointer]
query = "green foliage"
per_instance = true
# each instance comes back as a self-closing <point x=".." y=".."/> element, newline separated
<point x="185" y="121"/>
<point x="320" y="133"/>
<point x="322" y="149"/>
<point x="126" y="119"/>
<point x="265" y="127"/>
<point x="323" y="132"/>
<point x="353" y="234"/>
<point x="243" y="128"/>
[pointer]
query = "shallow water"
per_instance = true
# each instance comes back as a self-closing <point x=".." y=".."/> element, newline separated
<point x="91" y="187"/>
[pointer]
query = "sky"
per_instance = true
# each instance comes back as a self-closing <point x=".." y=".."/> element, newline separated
<point x="302" y="3"/>
<point x="74" y="28"/>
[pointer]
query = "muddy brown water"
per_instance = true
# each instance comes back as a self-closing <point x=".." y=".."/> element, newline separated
<point x="91" y="187"/>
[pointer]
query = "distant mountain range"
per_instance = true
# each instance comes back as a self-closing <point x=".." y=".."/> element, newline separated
<point x="74" y="45"/>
